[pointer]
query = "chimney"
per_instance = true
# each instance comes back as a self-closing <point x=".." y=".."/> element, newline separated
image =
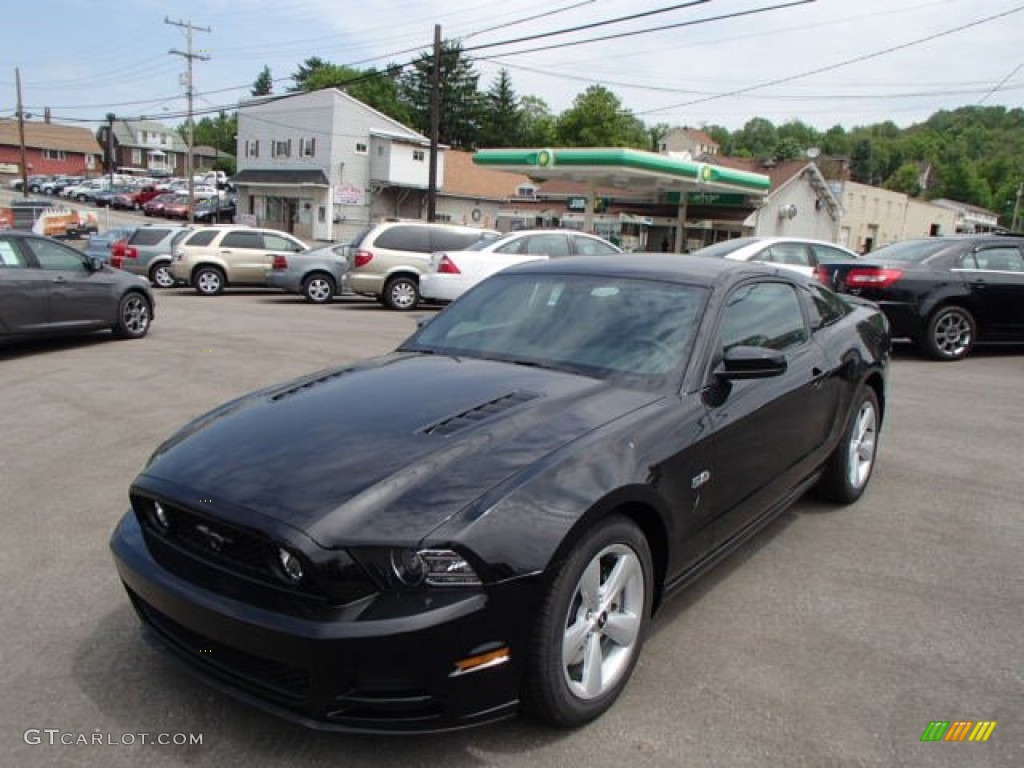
<point x="46" y="115"/>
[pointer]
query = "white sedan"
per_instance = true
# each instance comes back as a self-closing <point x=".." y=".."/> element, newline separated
<point x="452" y="273"/>
<point x="799" y="254"/>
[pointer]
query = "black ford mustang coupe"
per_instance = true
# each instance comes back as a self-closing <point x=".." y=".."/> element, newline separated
<point x="485" y="520"/>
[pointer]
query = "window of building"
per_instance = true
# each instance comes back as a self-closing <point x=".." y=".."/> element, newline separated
<point x="281" y="148"/>
<point x="360" y="148"/>
<point x="527" y="190"/>
<point x="136" y="157"/>
<point x="307" y="147"/>
<point x="417" y="155"/>
<point x="252" y="148"/>
<point x="54" y="154"/>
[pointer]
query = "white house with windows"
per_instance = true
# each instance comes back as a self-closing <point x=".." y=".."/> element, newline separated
<point x="323" y="165"/>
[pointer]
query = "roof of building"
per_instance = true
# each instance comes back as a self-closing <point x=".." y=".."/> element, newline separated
<point x="956" y="205"/>
<point x="700" y="136"/>
<point x="463" y="179"/>
<point x="128" y="133"/>
<point x="38" y="135"/>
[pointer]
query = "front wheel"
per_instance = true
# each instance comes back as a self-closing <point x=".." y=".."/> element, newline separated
<point x="849" y="467"/>
<point x="208" y="281"/>
<point x="950" y="334"/>
<point x="133" y="316"/>
<point x="318" y="289"/>
<point x="401" y="293"/>
<point x="591" y="627"/>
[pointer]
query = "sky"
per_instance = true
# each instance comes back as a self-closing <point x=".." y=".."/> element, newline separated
<point x="824" y="62"/>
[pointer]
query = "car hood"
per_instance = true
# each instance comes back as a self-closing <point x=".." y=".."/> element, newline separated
<point x="381" y="452"/>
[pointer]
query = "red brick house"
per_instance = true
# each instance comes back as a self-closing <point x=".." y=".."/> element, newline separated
<point x="49" y="149"/>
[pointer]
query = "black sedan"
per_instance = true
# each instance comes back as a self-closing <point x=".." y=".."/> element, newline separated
<point x="944" y="293"/>
<point x="485" y="520"/>
<point x="48" y="288"/>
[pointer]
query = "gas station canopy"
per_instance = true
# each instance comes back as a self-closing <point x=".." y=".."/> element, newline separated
<point x="630" y="168"/>
<point x="625" y="168"/>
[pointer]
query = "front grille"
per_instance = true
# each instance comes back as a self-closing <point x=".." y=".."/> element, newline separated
<point x="249" y="554"/>
<point x="452" y="424"/>
<point x="271" y="678"/>
<point x="380" y="702"/>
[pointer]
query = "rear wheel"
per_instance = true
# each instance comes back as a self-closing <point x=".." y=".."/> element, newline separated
<point x="133" y="316"/>
<point x="208" y="281"/>
<point x="160" y="275"/>
<point x="318" y="288"/>
<point x="592" y="625"/>
<point x="401" y="293"/>
<point x="950" y="334"/>
<point x="849" y="467"/>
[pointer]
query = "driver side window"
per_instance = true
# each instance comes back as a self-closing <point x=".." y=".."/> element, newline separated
<point x="763" y="315"/>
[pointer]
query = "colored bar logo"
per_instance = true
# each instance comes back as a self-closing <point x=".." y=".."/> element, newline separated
<point x="958" y="730"/>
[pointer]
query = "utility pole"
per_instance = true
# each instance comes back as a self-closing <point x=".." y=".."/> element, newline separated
<point x="21" y="137"/>
<point x="189" y="56"/>
<point x="110" y="147"/>
<point x="435" y="124"/>
<point x="1016" y="207"/>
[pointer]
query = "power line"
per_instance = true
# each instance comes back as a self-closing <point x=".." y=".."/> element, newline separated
<point x="830" y="67"/>
<point x="998" y="86"/>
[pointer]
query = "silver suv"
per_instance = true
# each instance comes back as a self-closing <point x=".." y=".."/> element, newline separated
<point x="213" y="258"/>
<point x="388" y="258"/>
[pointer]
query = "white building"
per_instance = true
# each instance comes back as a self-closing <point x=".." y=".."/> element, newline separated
<point x="323" y="165"/>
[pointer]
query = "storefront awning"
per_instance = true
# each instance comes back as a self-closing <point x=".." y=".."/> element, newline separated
<point x="283" y="178"/>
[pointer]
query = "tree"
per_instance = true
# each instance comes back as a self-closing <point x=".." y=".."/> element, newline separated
<point x="906" y="179"/>
<point x="462" y="104"/>
<point x="597" y="119"/>
<point x="537" y="124"/>
<point x="758" y="137"/>
<point x="860" y="162"/>
<point x="264" y="83"/>
<point x="657" y="132"/>
<point x="501" y="125"/>
<point x="218" y="132"/>
<point x="305" y="71"/>
<point x="375" y="88"/>
<point x="787" y="148"/>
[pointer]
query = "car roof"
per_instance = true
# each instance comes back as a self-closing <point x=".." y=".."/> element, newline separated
<point x="696" y="270"/>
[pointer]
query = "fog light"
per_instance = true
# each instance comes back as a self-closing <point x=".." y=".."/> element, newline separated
<point x="291" y="566"/>
<point x="161" y="517"/>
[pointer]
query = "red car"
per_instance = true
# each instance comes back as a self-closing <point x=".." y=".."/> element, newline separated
<point x="155" y="207"/>
<point x="135" y="199"/>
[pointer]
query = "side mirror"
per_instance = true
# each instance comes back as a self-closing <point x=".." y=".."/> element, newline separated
<point x="93" y="263"/>
<point x="423" y="322"/>
<point x="743" y="362"/>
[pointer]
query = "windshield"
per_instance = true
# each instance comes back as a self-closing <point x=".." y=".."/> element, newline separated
<point x="909" y="250"/>
<point x="607" y="327"/>
<point x="724" y="248"/>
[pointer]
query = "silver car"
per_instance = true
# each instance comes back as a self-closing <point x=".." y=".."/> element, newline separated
<point x="319" y="275"/>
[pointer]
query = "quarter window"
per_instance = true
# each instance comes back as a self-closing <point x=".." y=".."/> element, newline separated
<point x="9" y="256"/>
<point x="277" y="243"/>
<point x="203" y="237"/>
<point x="148" y="236"/>
<point x="763" y="315"/>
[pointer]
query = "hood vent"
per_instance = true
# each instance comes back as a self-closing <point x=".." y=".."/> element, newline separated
<point x="452" y="424"/>
<point x="307" y="384"/>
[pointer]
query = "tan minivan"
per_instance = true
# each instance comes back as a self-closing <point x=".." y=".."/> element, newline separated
<point x="388" y="258"/>
<point x="213" y="258"/>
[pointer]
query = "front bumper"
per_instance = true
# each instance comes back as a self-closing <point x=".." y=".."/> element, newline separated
<point x="386" y="664"/>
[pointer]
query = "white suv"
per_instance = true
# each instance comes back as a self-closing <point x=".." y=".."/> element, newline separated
<point x="213" y="258"/>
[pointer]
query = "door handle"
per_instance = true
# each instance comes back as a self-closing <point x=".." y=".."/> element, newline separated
<point x="817" y="377"/>
<point x="59" y="279"/>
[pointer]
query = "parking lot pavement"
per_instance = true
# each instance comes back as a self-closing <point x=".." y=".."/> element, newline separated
<point x="832" y="639"/>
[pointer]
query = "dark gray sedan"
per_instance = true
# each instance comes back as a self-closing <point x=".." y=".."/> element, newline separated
<point x="319" y="275"/>
<point x="47" y="287"/>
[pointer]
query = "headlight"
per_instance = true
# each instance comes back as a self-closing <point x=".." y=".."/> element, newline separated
<point x="407" y="567"/>
<point x="161" y="516"/>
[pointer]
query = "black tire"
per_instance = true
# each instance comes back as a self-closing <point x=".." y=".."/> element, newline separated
<point x="849" y="468"/>
<point x="551" y="692"/>
<point x="133" y="316"/>
<point x="208" y="281"/>
<point x="401" y="293"/>
<point x="950" y="335"/>
<point x="319" y="288"/>
<point x="160" y="275"/>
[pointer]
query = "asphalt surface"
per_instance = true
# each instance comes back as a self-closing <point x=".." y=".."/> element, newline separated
<point x="832" y="639"/>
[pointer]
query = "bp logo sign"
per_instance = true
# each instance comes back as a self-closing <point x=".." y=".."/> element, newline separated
<point x="545" y="158"/>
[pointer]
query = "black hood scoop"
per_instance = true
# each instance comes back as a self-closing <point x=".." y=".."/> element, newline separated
<point x="468" y="418"/>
